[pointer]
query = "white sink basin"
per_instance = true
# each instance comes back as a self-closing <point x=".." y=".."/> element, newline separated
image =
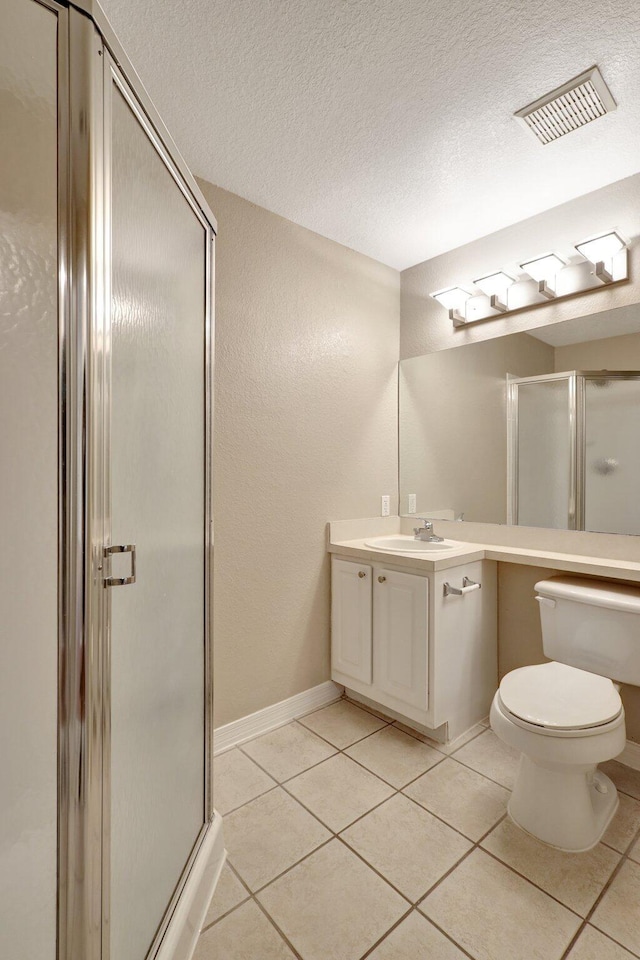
<point x="402" y="544"/>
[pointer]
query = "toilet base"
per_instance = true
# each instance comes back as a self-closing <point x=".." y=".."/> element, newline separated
<point x="569" y="809"/>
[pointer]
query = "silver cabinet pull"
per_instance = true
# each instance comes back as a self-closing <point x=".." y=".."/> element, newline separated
<point x="361" y="574"/>
<point x="467" y="587"/>
<point x="381" y="579"/>
<point x="121" y="548"/>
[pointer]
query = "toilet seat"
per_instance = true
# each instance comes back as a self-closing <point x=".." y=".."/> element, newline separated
<point x="558" y="699"/>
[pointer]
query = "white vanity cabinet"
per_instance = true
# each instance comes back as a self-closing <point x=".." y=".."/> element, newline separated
<point x="398" y="641"/>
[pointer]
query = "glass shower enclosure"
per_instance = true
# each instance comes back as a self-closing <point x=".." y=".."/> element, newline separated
<point x="574" y="451"/>
<point x="105" y="489"/>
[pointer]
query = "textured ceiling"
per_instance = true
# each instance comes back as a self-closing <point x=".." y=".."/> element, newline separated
<point x="387" y="124"/>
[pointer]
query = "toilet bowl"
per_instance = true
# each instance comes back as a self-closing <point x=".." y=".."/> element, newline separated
<point x="565" y="719"/>
<point x="560" y="796"/>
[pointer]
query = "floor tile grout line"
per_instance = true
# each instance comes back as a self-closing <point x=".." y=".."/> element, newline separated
<point x="336" y="836"/>
<point x="277" y="928"/>
<point x="375" y="870"/>
<point x="533" y="883"/>
<point x="444" y="876"/>
<point x="566" y="955"/>
<point x="375" y="945"/>
<point x="624" y="856"/>
<point x="463" y="764"/>
<point x="258" y="796"/>
<point x="348" y="746"/>
<point x="413" y="905"/>
<point x="343" y="750"/>
<point x="598" y="900"/>
<point x="423" y="897"/>
<point x="445" y="822"/>
<point x="416" y="735"/>
<point x="279" y="876"/>
<point x="279" y="783"/>
<point x="251" y="897"/>
<point x="629" y="796"/>
<point x="587" y="920"/>
<point x="396" y="791"/>
<point x="388" y="782"/>
<point x="447" y="935"/>
<point x="326" y="825"/>
<point x="353" y="742"/>
<point x="238" y="877"/>
<point x="223" y="916"/>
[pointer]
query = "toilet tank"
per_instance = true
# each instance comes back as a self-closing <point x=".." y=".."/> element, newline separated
<point x="592" y="624"/>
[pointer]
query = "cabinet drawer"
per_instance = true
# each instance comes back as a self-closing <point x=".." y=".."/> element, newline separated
<point x="351" y="620"/>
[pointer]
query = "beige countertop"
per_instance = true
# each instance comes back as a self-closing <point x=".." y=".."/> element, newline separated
<point x="348" y="539"/>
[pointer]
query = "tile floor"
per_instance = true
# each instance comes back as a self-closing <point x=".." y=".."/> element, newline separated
<point x="350" y="836"/>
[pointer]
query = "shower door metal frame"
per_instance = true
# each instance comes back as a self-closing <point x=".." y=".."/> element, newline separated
<point x="87" y="53"/>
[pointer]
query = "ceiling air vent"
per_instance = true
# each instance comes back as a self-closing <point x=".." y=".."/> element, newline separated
<point x="574" y="104"/>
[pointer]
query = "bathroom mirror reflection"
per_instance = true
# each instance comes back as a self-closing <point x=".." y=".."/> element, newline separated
<point x="539" y="428"/>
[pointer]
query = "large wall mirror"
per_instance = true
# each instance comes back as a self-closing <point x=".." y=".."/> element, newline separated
<point x="540" y="428"/>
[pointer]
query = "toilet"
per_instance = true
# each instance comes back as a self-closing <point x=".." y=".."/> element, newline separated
<point x="565" y="717"/>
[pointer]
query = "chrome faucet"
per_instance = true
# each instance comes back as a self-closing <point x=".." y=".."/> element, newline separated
<point x="426" y="533"/>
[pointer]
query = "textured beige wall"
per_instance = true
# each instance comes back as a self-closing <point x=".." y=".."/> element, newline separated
<point x="305" y="432"/>
<point x="610" y="353"/>
<point x="426" y="325"/>
<point x="453" y="413"/>
<point x="520" y="637"/>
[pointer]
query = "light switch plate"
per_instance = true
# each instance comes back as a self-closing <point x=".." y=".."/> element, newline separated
<point x="385" y="506"/>
<point x="411" y="498"/>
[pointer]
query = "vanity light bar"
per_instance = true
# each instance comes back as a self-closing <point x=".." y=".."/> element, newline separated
<point x="548" y="277"/>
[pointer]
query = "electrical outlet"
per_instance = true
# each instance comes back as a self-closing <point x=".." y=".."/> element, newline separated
<point x="411" y="497"/>
<point x="385" y="506"/>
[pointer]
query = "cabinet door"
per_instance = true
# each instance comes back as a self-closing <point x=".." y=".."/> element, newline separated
<point x="351" y="620"/>
<point x="400" y="636"/>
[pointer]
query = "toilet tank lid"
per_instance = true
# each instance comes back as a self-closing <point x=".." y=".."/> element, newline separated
<point x="597" y="593"/>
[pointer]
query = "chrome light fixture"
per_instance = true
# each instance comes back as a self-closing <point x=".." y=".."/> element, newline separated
<point x="545" y="270"/>
<point x="600" y="251"/>
<point x="453" y="299"/>
<point x="495" y="286"/>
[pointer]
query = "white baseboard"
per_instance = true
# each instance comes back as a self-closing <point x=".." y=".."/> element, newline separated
<point x="179" y="942"/>
<point x="255" y="724"/>
<point x="630" y="755"/>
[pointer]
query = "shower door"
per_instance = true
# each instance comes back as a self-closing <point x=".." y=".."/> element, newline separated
<point x="611" y="452"/>
<point x="32" y="47"/>
<point x="542" y="461"/>
<point x="156" y="490"/>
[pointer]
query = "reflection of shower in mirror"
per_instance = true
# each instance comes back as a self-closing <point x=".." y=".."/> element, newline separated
<point x="552" y="419"/>
<point x="605" y="465"/>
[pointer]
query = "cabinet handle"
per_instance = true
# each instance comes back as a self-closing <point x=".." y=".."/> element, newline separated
<point x="361" y="574"/>
<point x="467" y="587"/>
<point x="381" y="579"/>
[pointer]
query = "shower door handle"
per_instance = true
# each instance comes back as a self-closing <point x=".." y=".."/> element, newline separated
<point x="121" y="548"/>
